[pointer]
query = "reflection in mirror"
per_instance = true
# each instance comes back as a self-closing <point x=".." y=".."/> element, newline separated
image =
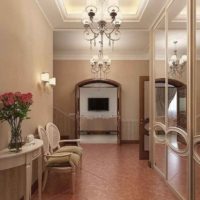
<point x="160" y="150"/>
<point x="197" y="150"/>
<point x="176" y="141"/>
<point x="177" y="64"/>
<point x="197" y="72"/>
<point x="177" y="111"/>
<point x="177" y="167"/>
<point x="159" y="70"/>
<point x="197" y="181"/>
<point x="159" y="157"/>
<point x="178" y="173"/>
<point x="159" y="134"/>
<point x="197" y="106"/>
<point x="160" y="101"/>
<point x="176" y="102"/>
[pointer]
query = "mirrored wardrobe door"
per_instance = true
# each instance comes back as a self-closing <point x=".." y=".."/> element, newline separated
<point x="177" y="64"/>
<point x="197" y="108"/>
<point x="159" y="144"/>
<point x="177" y="137"/>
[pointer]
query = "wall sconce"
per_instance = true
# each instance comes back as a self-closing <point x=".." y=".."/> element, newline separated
<point x="45" y="78"/>
<point x="52" y="81"/>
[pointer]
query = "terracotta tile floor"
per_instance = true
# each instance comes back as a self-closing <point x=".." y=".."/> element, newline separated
<point x="109" y="172"/>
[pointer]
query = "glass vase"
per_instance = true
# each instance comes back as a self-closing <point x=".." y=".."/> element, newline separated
<point x="15" y="144"/>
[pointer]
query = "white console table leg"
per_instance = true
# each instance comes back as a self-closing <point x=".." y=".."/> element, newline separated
<point x="40" y="177"/>
<point x="28" y="180"/>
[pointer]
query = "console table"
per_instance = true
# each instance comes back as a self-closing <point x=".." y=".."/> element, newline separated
<point x="30" y="152"/>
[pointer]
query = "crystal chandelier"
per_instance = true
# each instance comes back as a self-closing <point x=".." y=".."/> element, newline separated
<point x="100" y="65"/>
<point x="101" y="18"/>
<point x="176" y="65"/>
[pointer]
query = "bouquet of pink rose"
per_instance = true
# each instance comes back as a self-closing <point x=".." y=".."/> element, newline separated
<point x="14" y="111"/>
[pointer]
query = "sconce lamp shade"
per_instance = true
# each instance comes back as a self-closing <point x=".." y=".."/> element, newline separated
<point x="45" y="77"/>
<point x="52" y="81"/>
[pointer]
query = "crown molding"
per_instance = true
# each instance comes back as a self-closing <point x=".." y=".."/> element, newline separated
<point x="44" y="14"/>
<point x="162" y="11"/>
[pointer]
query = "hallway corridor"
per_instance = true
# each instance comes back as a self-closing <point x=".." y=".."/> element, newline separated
<point x="109" y="172"/>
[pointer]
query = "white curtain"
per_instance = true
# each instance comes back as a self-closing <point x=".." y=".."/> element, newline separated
<point x="171" y="93"/>
<point x="160" y="101"/>
<point x="172" y="103"/>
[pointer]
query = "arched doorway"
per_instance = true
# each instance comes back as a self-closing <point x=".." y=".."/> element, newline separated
<point x="77" y="103"/>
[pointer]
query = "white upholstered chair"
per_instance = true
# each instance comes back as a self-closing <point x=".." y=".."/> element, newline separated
<point x="54" y="139"/>
<point x="60" y="162"/>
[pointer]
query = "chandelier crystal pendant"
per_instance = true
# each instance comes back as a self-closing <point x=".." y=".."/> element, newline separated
<point x="101" y="18"/>
<point x="176" y="65"/>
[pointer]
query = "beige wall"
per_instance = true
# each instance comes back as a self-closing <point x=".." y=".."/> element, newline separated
<point x="26" y="50"/>
<point x="127" y="73"/>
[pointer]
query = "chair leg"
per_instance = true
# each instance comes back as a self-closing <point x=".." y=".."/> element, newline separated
<point x="73" y="180"/>
<point x="45" y="179"/>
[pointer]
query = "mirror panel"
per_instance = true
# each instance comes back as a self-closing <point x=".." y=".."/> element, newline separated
<point x="177" y="67"/>
<point x="197" y="180"/>
<point x="178" y="173"/>
<point x="159" y="71"/>
<point x="159" y="134"/>
<point x="177" y="142"/>
<point x="160" y="157"/>
<point x="160" y="150"/>
<point x="196" y="149"/>
<point x="177" y="64"/>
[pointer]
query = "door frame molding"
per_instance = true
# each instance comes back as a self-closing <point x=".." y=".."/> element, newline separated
<point x="143" y="155"/>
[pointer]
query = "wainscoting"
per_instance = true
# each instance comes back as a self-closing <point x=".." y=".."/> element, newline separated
<point x="130" y="130"/>
<point x="99" y="139"/>
<point x="66" y="125"/>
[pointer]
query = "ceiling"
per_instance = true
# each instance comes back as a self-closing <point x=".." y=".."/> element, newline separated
<point x="64" y="16"/>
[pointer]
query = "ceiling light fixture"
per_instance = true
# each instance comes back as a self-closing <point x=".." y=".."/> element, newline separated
<point x="100" y="65"/>
<point x="176" y="65"/>
<point x="102" y="21"/>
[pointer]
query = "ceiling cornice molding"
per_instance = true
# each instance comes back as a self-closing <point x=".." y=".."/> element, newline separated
<point x="62" y="56"/>
<point x="142" y="8"/>
<point x="126" y="18"/>
<point x="44" y="14"/>
<point x="166" y="4"/>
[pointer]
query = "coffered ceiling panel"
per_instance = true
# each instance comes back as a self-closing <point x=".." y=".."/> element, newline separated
<point x="71" y="10"/>
<point x="66" y="14"/>
<point x="126" y="6"/>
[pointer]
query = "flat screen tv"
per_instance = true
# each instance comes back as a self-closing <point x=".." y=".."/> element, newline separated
<point x="98" y="104"/>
